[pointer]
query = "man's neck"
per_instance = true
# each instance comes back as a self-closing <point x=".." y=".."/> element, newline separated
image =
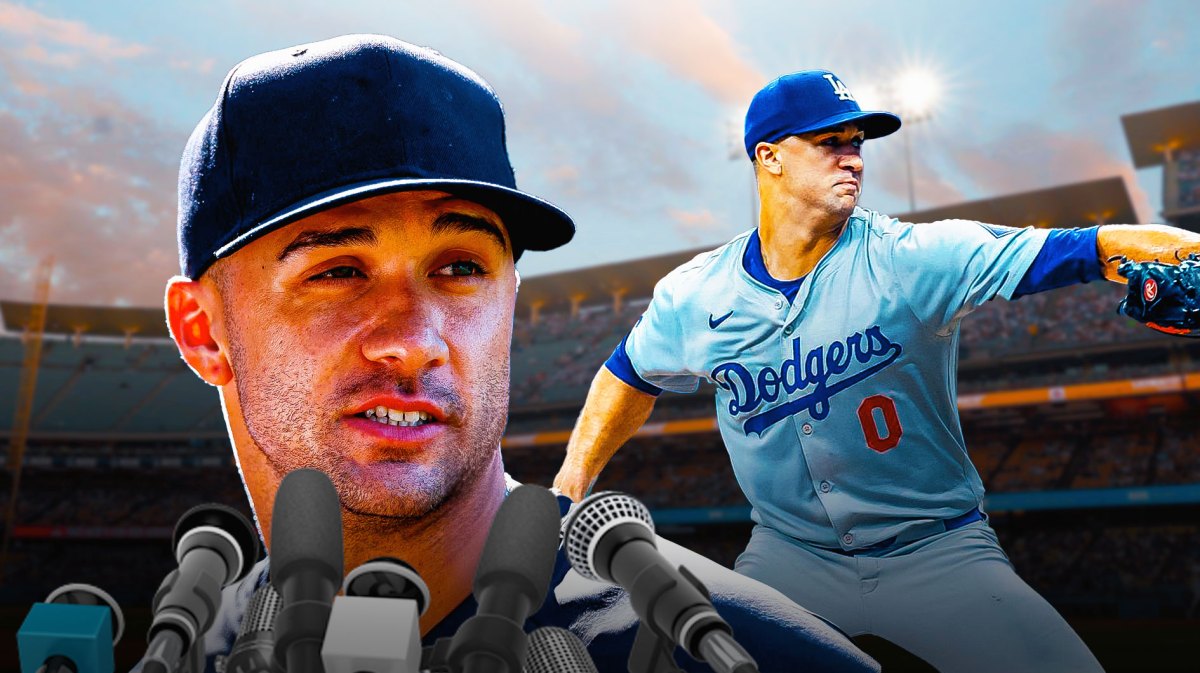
<point x="444" y="547"/>
<point x="795" y="238"/>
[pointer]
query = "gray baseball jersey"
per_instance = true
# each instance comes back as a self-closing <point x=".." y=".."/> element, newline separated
<point x="838" y="408"/>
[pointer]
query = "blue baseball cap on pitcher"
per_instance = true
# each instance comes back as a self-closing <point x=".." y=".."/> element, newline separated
<point x="808" y="101"/>
<point x="301" y="130"/>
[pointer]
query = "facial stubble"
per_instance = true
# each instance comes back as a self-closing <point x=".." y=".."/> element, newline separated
<point x="293" y="431"/>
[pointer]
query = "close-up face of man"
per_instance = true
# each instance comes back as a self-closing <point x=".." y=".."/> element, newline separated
<point x="395" y="307"/>
<point x="825" y="167"/>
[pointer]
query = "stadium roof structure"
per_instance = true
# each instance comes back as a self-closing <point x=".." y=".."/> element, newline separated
<point x="114" y="321"/>
<point x="635" y="278"/>
<point x="1150" y="134"/>
<point x="1080" y="204"/>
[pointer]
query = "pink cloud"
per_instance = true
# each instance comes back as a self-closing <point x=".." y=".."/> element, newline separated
<point x="571" y="99"/>
<point x="1033" y="157"/>
<point x="91" y="181"/>
<point x="929" y="187"/>
<point x="564" y="178"/>
<point x="1118" y="71"/>
<point x="555" y="51"/>
<point x="694" y="225"/>
<point x="690" y="44"/>
<point x="201" y="66"/>
<point x="76" y="36"/>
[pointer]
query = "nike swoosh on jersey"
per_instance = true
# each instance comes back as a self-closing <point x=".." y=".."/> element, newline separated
<point x="713" y="324"/>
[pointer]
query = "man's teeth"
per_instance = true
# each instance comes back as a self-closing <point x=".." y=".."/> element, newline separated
<point x="387" y="416"/>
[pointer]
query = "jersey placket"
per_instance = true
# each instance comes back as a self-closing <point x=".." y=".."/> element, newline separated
<point x="803" y="428"/>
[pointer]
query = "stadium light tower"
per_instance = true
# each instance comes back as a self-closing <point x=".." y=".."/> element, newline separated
<point x="913" y="94"/>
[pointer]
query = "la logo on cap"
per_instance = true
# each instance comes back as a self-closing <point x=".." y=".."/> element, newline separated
<point x="841" y="90"/>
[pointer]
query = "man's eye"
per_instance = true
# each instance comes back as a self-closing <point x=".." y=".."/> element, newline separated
<point x="830" y="142"/>
<point x="857" y="142"/>
<point x="462" y="267"/>
<point x="339" y="273"/>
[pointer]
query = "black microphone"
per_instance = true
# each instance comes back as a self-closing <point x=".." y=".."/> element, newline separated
<point x="510" y="584"/>
<point x="556" y="650"/>
<point x="215" y="546"/>
<point x="376" y="625"/>
<point x="255" y="644"/>
<point x="610" y="537"/>
<point x="73" y="630"/>
<point x="306" y="566"/>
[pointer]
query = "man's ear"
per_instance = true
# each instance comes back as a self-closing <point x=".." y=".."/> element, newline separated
<point x="766" y="155"/>
<point x="189" y="317"/>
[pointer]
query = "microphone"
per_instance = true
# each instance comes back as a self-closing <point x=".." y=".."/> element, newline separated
<point x="306" y="566"/>
<point x="610" y="537"/>
<point x="511" y="582"/>
<point x="557" y="650"/>
<point x="255" y="644"/>
<point x="215" y="546"/>
<point x="375" y="626"/>
<point x="73" y="630"/>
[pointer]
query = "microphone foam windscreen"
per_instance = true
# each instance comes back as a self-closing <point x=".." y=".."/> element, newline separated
<point x="523" y="542"/>
<point x="306" y="526"/>
<point x="557" y="650"/>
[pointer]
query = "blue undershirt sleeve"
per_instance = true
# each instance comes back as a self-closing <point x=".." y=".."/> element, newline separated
<point x="618" y="363"/>
<point x="1067" y="257"/>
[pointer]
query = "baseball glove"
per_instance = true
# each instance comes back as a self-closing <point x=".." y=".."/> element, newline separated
<point x="1165" y="297"/>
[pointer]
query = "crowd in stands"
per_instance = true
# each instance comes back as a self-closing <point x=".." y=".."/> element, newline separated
<point x="1121" y="570"/>
<point x="680" y="471"/>
<point x="693" y="470"/>
<point x="122" y="498"/>
<point x="1178" y="457"/>
<point x="555" y="360"/>
<point x="129" y="570"/>
<point x="1053" y="374"/>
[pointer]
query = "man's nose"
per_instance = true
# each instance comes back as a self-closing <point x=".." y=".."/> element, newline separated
<point x="852" y="160"/>
<point x="406" y="332"/>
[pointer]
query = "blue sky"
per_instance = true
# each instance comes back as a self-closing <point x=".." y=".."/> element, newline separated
<point x="621" y="112"/>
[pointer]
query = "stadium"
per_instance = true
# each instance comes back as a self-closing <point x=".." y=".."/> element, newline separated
<point x="1081" y="422"/>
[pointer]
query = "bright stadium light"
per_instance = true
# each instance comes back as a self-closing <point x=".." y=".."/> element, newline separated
<point x="913" y="94"/>
<point x="917" y="92"/>
<point x="870" y="96"/>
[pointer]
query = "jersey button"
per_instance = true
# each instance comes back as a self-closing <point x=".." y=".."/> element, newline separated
<point x="778" y="303"/>
<point x="826" y="487"/>
<point x="788" y="330"/>
<point x="806" y="428"/>
<point x="848" y="538"/>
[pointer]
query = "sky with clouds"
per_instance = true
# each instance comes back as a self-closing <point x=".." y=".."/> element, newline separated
<point x="624" y="113"/>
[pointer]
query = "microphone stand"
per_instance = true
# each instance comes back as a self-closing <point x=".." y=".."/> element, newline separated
<point x="654" y="651"/>
<point x="195" y="660"/>
<point x="651" y="652"/>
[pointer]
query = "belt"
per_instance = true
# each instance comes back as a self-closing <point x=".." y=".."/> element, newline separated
<point x="951" y="524"/>
<point x="960" y="521"/>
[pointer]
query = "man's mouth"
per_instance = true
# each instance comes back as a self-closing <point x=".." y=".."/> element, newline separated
<point x="387" y="416"/>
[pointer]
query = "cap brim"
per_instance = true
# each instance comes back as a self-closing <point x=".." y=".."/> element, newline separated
<point x="874" y="124"/>
<point x="532" y="223"/>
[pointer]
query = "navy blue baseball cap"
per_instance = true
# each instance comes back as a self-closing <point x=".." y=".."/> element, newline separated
<point x="301" y="130"/>
<point x="808" y="101"/>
